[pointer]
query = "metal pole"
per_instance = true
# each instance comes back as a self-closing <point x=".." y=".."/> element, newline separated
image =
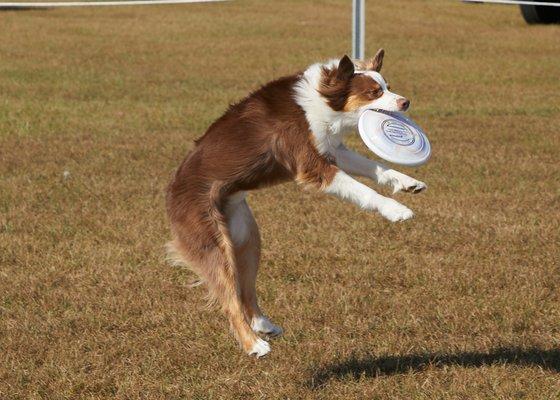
<point x="358" y="28"/>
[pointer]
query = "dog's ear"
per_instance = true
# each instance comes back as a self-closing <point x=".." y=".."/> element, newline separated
<point x="377" y="61"/>
<point x="345" y="69"/>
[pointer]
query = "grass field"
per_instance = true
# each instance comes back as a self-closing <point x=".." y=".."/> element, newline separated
<point x="97" y="109"/>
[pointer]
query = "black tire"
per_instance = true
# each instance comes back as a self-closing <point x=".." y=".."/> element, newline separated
<point x="540" y="14"/>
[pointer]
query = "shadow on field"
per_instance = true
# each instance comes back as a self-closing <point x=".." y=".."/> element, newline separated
<point x="372" y="367"/>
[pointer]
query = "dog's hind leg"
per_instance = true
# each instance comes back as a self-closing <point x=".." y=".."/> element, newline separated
<point x="211" y="254"/>
<point x="219" y="275"/>
<point x="227" y="288"/>
<point x="246" y="239"/>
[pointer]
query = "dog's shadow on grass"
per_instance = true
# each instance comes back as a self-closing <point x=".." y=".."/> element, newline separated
<point x="372" y="367"/>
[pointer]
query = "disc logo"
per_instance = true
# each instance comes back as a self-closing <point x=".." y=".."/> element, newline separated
<point x="397" y="132"/>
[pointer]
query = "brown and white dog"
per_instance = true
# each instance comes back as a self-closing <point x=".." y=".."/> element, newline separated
<point x="291" y="128"/>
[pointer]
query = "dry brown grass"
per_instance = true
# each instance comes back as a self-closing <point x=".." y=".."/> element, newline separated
<point x="460" y="303"/>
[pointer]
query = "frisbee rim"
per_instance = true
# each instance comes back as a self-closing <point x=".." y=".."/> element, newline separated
<point x="387" y="156"/>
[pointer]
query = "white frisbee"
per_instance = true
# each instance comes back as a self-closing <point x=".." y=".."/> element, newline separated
<point x="394" y="137"/>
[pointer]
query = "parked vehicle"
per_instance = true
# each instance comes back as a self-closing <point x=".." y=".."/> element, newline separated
<point x="536" y="14"/>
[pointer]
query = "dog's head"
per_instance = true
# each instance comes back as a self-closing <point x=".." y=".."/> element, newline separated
<point x="354" y="86"/>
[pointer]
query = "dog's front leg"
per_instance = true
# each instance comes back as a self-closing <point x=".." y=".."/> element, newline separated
<point x="316" y="170"/>
<point x="355" y="164"/>
<point x="346" y="187"/>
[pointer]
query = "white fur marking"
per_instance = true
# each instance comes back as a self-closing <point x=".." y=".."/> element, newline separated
<point x="262" y="324"/>
<point x="328" y="126"/>
<point x="348" y="188"/>
<point x="260" y="348"/>
<point x="395" y="211"/>
<point x="376" y="76"/>
<point x="353" y="163"/>
<point x="400" y="181"/>
<point x="238" y="214"/>
<point x="388" y="100"/>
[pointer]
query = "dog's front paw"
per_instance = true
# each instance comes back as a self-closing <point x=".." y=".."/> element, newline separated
<point x="395" y="211"/>
<point x="405" y="183"/>
<point x="412" y="187"/>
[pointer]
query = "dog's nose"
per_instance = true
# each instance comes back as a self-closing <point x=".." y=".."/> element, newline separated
<point x="403" y="104"/>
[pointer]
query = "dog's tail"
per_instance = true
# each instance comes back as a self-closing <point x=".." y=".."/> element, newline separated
<point x="215" y="221"/>
<point x="176" y="259"/>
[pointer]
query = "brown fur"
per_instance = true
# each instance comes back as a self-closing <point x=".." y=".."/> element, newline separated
<point x="373" y="64"/>
<point x="336" y="84"/>
<point x="345" y="91"/>
<point x="263" y="140"/>
<point x="363" y="90"/>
